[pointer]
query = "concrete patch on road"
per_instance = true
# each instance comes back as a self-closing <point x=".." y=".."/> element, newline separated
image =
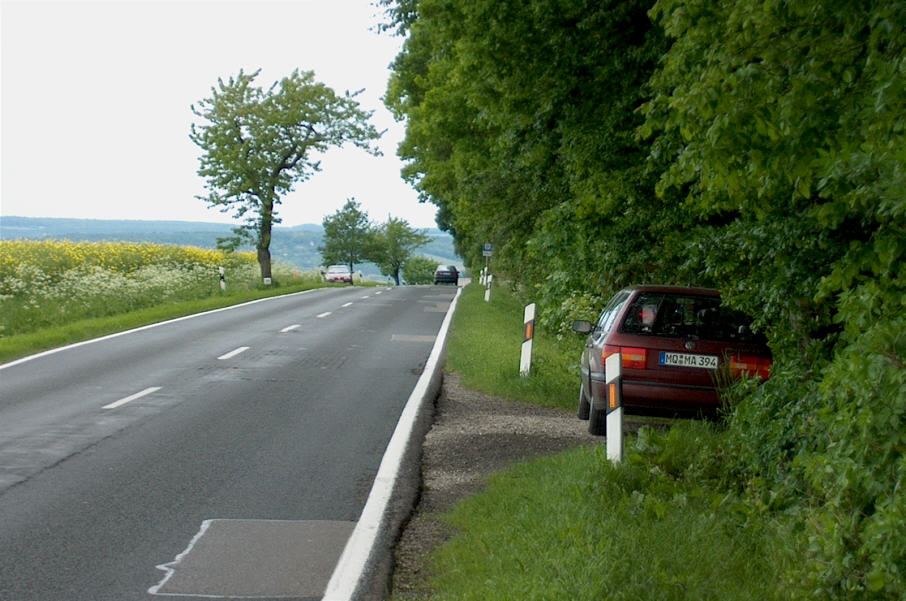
<point x="257" y="559"/>
<point x="411" y="338"/>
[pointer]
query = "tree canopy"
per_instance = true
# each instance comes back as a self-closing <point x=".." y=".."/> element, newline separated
<point x="347" y="236"/>
<point x="753" y="146"/>
<point x="257" y="144"/>
<point x="393" y="244"/>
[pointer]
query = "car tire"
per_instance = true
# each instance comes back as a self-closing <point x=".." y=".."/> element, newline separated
<point x="597" y="419"/>
<point x="584" y="405"/>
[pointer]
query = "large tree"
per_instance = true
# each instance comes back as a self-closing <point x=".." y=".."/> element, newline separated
<point x="259" y="143"/>
<point x="348" y="235"/>
<point x="393" y="244"/>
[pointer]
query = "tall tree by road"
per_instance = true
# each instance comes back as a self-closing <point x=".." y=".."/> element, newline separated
<point x="393" y="244"/>
<point x="257" y="145"/>
<point x="347" y="236"/>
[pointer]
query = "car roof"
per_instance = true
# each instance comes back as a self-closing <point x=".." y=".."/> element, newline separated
<point x="673" y="290"/>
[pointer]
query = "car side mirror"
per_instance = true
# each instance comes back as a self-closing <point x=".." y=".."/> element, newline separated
<point x="583" y="327"/>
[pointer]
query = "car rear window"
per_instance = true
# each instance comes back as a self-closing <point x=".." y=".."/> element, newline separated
<point x="687" y="316"/>
<point x="610" y="312"/>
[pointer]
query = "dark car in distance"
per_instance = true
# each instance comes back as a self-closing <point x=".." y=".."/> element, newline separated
<point x="446" y="274"/>
<point x="676" y="345"/>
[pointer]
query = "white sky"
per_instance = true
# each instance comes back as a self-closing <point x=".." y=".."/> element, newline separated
<point x="95" y="103"/>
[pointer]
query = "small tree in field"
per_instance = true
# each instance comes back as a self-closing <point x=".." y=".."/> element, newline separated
<point x="257" y="145"/>
<point x="393" y="244"/>
<point x="419" y="270"/>
<point x="348" y="236"/>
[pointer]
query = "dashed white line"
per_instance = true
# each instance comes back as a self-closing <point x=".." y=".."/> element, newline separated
<point x="131" y="398"/>
<point x="289" y="328"/>
<point x="346" y="305"/>
<point x="366" y="296"/>
<point x="325" y="314"/>
<point x="233" y="353"/>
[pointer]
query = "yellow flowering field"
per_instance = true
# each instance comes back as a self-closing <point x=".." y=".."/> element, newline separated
<point x="54" y="282"/>
<point x="55" y="257"/>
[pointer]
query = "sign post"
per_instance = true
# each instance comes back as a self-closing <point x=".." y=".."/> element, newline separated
<point x="487" y="249"/>
<point x="525" y="361"/>
<point x="613" y="376"/>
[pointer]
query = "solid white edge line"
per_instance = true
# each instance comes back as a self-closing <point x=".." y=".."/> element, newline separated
<point x="148" y="327"/>
<point x="349" y="570"/>
<point x="290" y="328"/>
<point x="131" y="398"/>
<point x="233" y="353"/>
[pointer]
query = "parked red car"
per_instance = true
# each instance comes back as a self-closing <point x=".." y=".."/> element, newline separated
<point x="675" y="342"/>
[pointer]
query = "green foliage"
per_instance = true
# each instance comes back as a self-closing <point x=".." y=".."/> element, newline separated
<point x="347" y="236"/>
<point x="753" y="146"/>
<point x="393" y="244"/>
<point x="258" y="144"/>
<point x="419" y="270"/>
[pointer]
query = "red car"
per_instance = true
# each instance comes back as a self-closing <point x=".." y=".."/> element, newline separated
<point x="676" y="343"/>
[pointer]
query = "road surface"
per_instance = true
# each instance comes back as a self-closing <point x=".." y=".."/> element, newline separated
<point x="227" y="455"/>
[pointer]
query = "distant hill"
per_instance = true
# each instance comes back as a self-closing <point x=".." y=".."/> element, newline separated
<point x="297" y="245"/>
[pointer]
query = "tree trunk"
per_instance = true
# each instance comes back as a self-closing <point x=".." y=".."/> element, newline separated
<point x="396" y="276"/>
<point x="264" y="241"/>
<point x="264" y="261"/>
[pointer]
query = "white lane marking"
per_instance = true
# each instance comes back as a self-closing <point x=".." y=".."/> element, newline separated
<point x="233" y="353"/>
<point x="289" y="328"/>
<point x="149" y="326"/>
<point x="379" y="292"/>
<point x="131" y="397"/>
<point x="346" y="305"/>
<point x="325" y="314"/>
<point x="351" y="567"/>
<point x="364" y="297"/>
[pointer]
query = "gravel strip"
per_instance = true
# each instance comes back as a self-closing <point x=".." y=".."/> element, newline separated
<point x="473" y="436"/>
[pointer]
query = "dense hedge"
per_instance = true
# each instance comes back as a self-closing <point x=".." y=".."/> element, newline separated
<point x="754" y="146"/>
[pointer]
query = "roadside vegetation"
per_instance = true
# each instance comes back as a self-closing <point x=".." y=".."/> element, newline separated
<point x="755" y="147"/>
<point x="57" y="292"/>
<point x="667" y="523"/>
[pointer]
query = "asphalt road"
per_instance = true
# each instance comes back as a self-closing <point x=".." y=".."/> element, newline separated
<point x="223" y="456"/>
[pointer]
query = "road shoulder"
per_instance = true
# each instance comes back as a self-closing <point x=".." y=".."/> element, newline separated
<point x="473" y="435"/>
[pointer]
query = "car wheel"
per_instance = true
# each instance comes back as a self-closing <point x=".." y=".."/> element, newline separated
<point x="582" y="413"/>
<point x="597" y="419"/>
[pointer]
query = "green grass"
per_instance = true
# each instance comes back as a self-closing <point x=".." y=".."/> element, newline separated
<point x="573" y="526"/>
<point x="485" y="345"/>
<point x="13" y="347"/>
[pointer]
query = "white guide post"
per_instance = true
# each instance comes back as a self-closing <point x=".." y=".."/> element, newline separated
<point x="613" y="375"/>
<point x="525" y="361"/>
<point x="487" y="291"/>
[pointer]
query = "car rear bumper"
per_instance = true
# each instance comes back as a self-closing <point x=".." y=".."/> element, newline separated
<point x="659" y="397"/>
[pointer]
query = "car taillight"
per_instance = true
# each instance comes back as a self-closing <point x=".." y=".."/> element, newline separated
<point x="632" y="358"/>
<point x="749" y="365"/>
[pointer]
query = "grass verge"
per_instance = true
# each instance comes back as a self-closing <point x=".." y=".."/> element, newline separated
<point x="486" y="342"/>
<point x="576" y="527"/>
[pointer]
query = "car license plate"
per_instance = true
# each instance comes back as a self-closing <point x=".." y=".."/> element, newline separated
<point x="687" y="360"/>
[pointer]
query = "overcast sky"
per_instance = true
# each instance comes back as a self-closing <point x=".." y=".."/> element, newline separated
<point x="96" y="95"/>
